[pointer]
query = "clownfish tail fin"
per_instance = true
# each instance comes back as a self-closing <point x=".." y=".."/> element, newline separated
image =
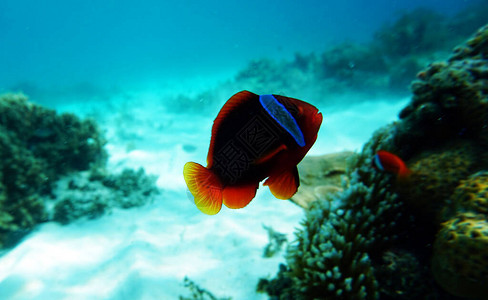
<point x="205" y="187"/>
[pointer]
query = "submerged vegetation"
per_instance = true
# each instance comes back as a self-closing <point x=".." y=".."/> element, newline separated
<point x="198" y="293"/>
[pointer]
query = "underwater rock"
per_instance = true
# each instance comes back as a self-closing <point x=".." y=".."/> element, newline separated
<point x="320" y="175"/>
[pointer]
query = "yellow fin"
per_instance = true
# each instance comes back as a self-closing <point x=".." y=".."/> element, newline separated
<point x="204" y="186"/>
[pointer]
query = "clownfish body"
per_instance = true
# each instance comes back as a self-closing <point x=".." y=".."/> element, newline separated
<point x="389" y="162"/>
<point x="253" y="137"/>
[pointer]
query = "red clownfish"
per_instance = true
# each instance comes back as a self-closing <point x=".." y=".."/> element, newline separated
<point x="253" y="137"/>
<point x="389" y="162"/>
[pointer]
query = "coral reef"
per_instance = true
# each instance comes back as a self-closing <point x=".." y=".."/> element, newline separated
<point x="436" y="173"/>
<point x="450" y="99"/>
<point x="417" y="31"/>
<point x="92" y="194"/>
<point x="366" y="241"/>
<point x="42" y="151"/>
<point x="333" y="255"/>
<point x="37" y="146"/>
<point x="381" y="67"/>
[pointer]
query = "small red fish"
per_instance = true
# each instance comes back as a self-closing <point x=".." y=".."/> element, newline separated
<point x="389" y="162"/>
<point x="253" y="137"/>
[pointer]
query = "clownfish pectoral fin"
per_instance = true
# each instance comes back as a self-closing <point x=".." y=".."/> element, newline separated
<point x="404" y="173"/>
<point x="204" y="186"/>
<point x="283" y="185"/>
<point x="239" y="196"/>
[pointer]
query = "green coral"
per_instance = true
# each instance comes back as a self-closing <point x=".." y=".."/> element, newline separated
<point x="332" y="257"/>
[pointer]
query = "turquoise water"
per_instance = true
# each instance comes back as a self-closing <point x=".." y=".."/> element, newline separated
<point x="52" y="45"/>
<point x="153" y="75"/>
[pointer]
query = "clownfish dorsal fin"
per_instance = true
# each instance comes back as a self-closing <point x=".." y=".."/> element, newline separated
<point x="204" y="186"/>
<point x="239" y="196"/>
<point x="284" y="185"/>
<point x="281" y="115"/>
<point x="229" y="106"/>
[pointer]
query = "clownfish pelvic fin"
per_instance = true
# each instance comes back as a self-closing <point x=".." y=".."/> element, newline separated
<point x="283" y="185"/>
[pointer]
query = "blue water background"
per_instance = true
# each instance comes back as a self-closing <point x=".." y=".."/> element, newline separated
<point x="145" y="45"/>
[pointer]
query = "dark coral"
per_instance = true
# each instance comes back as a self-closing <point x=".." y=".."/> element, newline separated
<point x="37" y="146"/>
<point x="45" y="158"/>
<point x="436" y="173"/>
<point x="412" y="284"/>
<point x="450" y="99"/>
